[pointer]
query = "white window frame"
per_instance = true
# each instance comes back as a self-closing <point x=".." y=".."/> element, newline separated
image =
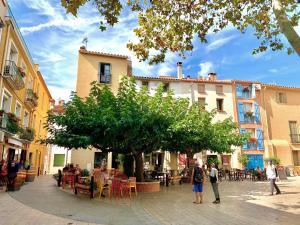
<point x="11" y="42"/>
<point x="4" y="94"/>
<point x="18" y="103"/>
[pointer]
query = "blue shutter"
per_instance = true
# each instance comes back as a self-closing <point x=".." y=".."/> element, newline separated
<point x="241" y="113"/>
<point x="254" y="161"/>
<point x="239" y="91"/>
<point x="260" y="139"/>
<point x="245" y="145"/>
<point x="256" y="112"/>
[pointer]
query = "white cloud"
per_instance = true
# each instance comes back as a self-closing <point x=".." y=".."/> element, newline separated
<point x="273" y="70"/>
<point x="205" y="68"/>
<point x="219" y="43"/>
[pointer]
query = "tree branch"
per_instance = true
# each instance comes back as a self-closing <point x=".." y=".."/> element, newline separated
<point x="286" y="26"/>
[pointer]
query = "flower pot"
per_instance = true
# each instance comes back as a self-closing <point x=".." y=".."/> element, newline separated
<point x="252" y="139"/>
<point x="30" y="175"/>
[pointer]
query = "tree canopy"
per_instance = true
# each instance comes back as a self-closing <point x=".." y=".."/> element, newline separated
<point x="171" y="25"/>
<point x="133" y="122"/>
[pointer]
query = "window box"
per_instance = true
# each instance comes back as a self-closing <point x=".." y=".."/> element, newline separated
<point x="249" y="113"/>
<point x="252" y="139"/>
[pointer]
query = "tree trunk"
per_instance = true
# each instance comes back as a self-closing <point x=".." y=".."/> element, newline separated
<point x="139" y="167"/>
<point x="286" y="27"/>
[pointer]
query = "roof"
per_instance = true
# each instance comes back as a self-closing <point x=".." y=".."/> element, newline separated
<point x="84" y="51"/>
<point x="58" y="109"/>
<point x="275" y="86"/>
<point x="172" y="78"/>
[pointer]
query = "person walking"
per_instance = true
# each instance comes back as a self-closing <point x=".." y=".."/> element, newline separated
<point x="197" y="181"/>
<point x="213" y="175"/>
<point x="272" y="174"/>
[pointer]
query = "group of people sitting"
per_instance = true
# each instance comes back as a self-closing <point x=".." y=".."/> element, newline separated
<point x="70" y="168"/>
<point x="9" y="170"/>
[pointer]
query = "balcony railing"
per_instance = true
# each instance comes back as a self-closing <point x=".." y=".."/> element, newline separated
<point x="295" y="138"/>
<point x="105" y="78"/>
<point x="9" y="122"/>
<point x="13" y="76"/>
<point x="248" y="119"/>
<point x="31" y="98"/>
<point x="246" y="94"/>
<point x="250" y="146"/>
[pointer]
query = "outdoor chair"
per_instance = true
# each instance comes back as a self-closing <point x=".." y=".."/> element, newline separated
<point x="68" y="178"/>
<point x="116" y="188"/>
<point x="132" y="184"/>
<point x="102" y="186"/>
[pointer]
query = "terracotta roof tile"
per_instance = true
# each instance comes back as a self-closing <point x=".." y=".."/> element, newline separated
<point x="84" y="51"/>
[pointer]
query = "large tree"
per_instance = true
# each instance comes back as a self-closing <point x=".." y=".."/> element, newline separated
<point x="171" y="25"/>
<point x="133" y="122"/>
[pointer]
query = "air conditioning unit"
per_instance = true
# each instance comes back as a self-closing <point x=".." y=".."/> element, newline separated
<point x="257" y="86"/>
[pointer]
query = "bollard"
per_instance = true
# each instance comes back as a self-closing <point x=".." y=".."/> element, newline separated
<point x="59" y="178"/>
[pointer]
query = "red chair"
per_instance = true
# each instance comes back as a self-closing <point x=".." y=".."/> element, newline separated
<point x="69" y="178"/>
<point x="116" y="187"/>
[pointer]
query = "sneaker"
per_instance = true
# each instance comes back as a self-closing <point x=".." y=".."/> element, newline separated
<point x="278" y="193"/>
<point x="216" y="202"/>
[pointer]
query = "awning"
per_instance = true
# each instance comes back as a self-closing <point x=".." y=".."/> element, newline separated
<point x="15" y="141"/>
<point x="280" y="143"/>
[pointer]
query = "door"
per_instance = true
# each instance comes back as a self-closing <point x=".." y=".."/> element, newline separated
<point x="254" y="161"/>
<point x="11" y="154"/>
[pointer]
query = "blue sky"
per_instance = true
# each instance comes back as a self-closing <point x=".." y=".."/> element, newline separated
<point x="53" y="39"/>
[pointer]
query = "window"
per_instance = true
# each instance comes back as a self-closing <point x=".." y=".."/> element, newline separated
<point x="165" y="87"/>
<point x="40" y="126"/>
<point x="201" y="102"/>
<point x="248" y="107"/>
<point x="59" y="160"/>
<point x="104" y="73"/>
<point x="145" y="84"/>
<point x="18" y="110"/>
<point x="220" y="104"/>
<point x="43" y="101"/>
<point x="13" y="53"/>
<point x="201" y="88"/>
<point x="293" y="127"/>
<point x="219" y="89"/>
<point x="6" y="101"/>
<point x="26" y="119"/>
<point x="281" y="97"/>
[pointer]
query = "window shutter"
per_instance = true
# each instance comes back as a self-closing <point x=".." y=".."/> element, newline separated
<point x="260" y="139"/>
<point x="239" y="91"/>
<point x="109" y="77"/>
<point x="99" y="71"/>
<point x="59" y="160"/>
<point x="257" y="112"/>
<point x="253" y="91"/>
<point x="245" y="145"/>
<point x="241" y="114"/>
<point x="284" y="98"/>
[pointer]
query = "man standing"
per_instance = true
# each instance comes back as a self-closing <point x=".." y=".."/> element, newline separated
<point x="271" y="174"/>
<point x="213" y="175"/>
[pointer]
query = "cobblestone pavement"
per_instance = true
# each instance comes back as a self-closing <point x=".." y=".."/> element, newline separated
<point x="243" y="203"/>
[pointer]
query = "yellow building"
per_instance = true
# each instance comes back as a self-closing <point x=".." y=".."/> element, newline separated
<point x="281" y="119"/>
<point x="107" y="69"/>
<point x="25" y="100"/>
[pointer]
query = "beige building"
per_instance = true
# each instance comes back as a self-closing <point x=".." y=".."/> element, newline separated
<point x="107" y="69"/>
<point x="24" y="99"/>
<point x="281" y="119"/>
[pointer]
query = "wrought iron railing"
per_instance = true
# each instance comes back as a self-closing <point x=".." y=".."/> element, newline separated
<point x="31" y="97"/>
<point x="295" y="138"/>
<point x="105" y="78"/>
<point x="13" y="76"/>
<point x="250" y="146"/>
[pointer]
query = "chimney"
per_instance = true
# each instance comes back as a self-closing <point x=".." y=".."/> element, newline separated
<point x="82" y="47"/>
<point x="179" y="70"/>
<point x="212" y="76"/>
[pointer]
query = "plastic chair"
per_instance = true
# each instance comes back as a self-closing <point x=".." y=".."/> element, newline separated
<point x="102" y="186"/>
<point x="68" y="178"/>
<point x="116" y="187"/>
<point x="132" y="184"/>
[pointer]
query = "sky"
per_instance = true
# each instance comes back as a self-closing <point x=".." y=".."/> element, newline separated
<point x="54" y="37"/>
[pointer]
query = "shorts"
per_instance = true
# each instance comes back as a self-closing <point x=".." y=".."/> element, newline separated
<point x="197" y="187"/>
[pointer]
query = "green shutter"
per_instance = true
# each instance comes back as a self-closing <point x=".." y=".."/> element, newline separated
<point x="59" y="160"/>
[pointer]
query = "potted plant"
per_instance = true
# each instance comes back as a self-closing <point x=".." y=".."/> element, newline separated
<point x="22" y="72"/>
<point x="246" y="88"/>
<point x="243" y="159"/>
<point x="249" y="113"/>
<point x="252" y="139"/>
<point x="27" y="134"/>
<point x="274" y="159"/>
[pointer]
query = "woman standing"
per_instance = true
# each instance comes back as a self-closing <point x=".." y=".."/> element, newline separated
<point x="197" y="180"/>
<point x="213" y="175"/>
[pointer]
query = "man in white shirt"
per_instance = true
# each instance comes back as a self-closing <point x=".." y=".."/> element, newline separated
<point x="271" y="174"/>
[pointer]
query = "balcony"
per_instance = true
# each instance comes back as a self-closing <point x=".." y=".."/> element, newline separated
<point x="13" y="76"/>
<point x="105" y="78"/>
<point x="295" y="138"/>
<point x="248" y="119"/>
<point x="31" y="98"/>
<point x="250" y="146"/>
<point x="9" y="122"/>
<point x="246" y="94"/>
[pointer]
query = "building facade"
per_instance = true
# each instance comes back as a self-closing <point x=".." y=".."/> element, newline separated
<point x="107" y="69"/>
<point x="248" y="104"/>
<point x="281" y="119"/>
<point x="211" y="94"/>
<point x="24" y="99"/>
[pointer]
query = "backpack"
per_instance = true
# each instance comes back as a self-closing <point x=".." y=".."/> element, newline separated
<point x="198" y="175"/>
